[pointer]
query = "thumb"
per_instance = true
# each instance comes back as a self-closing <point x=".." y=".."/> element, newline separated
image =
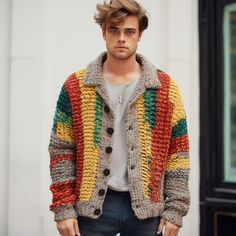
<point x="161" y="225"/>
<point x="76" y="228"/>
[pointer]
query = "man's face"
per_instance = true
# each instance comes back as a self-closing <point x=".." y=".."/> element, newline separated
<point x="122" y="39"/>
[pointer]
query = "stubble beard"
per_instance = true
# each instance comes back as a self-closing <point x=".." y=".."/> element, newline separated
<point x="125" y="56"/>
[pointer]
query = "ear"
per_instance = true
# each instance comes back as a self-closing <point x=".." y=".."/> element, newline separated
<point x="104" y="34"/>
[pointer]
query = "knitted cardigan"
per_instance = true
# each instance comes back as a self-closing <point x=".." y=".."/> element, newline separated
<point x="157" y="140"/>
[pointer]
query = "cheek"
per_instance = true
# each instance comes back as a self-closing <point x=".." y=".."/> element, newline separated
<point x="135" y="41"/>
<point x="112" y="41"/>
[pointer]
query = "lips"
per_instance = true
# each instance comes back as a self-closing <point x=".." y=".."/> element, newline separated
<point x="121" y="47"/>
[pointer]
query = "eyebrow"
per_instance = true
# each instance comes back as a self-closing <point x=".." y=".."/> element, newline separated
<point x="114" y="27"/>
<point x="133" y="29"/>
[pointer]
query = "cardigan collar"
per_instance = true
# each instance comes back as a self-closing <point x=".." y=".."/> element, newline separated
<point x="149" y="78"/>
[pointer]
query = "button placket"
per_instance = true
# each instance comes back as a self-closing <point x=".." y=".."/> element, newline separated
<point x="109" y="149"/>
<point x="132" y="167"/>
<point x="106" y="172"/>
<point x="106" y="109"/>
<point x="101" y="192"/>
<point x="97" y="212"/>
<point x="110" y="130"/>
<point x="130" y="127"/>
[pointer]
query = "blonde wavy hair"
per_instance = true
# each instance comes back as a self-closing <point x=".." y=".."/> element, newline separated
<point x="116" y="11"/>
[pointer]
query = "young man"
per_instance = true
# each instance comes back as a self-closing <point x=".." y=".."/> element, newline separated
<point x="119" y="144"/>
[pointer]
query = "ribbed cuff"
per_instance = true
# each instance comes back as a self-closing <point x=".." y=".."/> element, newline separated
<point x="173" y="217"/>
<point x="64" y="212"/>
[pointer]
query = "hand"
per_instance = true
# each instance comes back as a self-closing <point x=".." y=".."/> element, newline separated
<point x="68" y="227"/>
<point x="170" y="229"/>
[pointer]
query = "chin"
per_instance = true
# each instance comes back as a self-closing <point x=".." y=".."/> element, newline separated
<point x="122" y="56"/>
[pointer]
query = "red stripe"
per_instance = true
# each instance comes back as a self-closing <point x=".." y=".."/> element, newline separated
<point x="73" y="89"/>
<point x="63" y="194"/>
<point x="180" y="144"/>
<point x="57" y="159"/>
<point x="160" y="137"/>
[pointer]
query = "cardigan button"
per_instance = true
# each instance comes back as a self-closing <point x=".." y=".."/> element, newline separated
<point x="97" y="212"/>
<point x="132" y="167"/>
<point x="110" y="130"/>
<point x="106" y="172"/>
<point x="101" y="192"/>
<point x="106" y="109"/>
<point x="130" y="127"/>
<point x="108" y="150"/>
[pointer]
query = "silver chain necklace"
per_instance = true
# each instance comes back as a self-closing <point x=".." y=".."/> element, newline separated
<point x="120" y="94"/>
<point x="120" y="90"/>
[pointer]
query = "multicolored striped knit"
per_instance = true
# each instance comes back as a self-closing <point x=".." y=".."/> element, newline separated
<point x="157" y="139"/>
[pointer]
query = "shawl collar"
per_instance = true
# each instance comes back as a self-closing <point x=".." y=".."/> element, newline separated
<point x="149" y="78"/>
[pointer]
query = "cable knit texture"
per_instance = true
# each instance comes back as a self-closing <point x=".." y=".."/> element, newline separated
<point x="157" y="141"/>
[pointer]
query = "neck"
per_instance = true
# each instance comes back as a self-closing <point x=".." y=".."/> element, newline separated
<point x="118" y="71"/>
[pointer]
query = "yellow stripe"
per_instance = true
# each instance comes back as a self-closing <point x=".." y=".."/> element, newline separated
<point x="177" y="163"/>
<point x="145" y="145"/>
<point x="64" y="133"/>
<point x="67" y="122"/>
<point x="175" y="98"/>
<point x="91" y="153"/>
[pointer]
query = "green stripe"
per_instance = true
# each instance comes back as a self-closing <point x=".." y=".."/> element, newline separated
<point x="63" y="112"/>
<point x="63" y="119"/>
<point x="150" y="106"/>
<point x="179" y="129"/>
<point x="63" y="103"/>
<point x="98" y="120"/>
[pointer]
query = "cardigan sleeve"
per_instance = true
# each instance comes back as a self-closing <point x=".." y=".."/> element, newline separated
<point x="62" y="160"/>
<point x="176" y="189"/>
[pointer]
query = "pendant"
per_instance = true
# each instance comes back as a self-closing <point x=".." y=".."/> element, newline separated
<point x="120" y="99"/>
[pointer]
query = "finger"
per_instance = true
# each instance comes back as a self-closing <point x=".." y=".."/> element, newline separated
<point x="62" y="232"/>
<point x="167" y="232"/>
<point x="161" y="225"/>
<point x="173" y="233"/>
<point x="171" y="229"/>
<point x="71" y="232"/>
<point x="66" y="232"/>
<point x="76" y="227"/>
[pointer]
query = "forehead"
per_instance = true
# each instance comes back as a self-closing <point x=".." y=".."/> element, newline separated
<point x="128" y="23"/>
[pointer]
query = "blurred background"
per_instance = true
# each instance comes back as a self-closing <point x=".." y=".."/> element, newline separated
<point x="43" y="41"/>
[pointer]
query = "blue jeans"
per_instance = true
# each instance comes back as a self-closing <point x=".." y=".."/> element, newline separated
<point x="118" y="217"/>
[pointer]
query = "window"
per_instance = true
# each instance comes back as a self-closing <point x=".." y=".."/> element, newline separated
<point x="217" y="34"/>
<point x="229" y="32"/>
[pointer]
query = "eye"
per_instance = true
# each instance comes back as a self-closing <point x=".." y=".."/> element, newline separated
<point x="113" y="30"/>
<point x="130" y="32"/>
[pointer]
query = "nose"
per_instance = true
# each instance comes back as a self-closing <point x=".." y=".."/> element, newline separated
<point x="121" y="38"/>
